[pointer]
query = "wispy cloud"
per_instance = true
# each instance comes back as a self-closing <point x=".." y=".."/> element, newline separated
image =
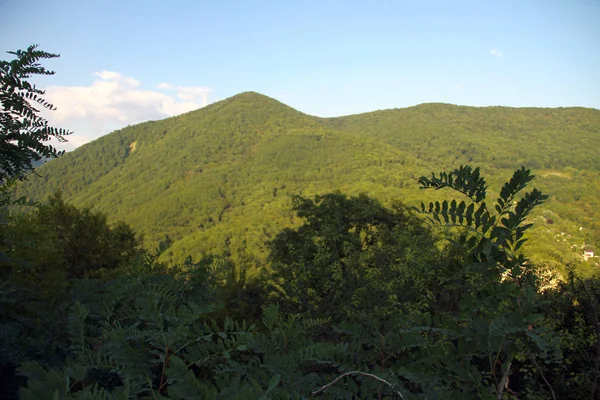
<point x="496" y="52"/>
<point x="113" y="101"/>
<point x="458" y="86"/>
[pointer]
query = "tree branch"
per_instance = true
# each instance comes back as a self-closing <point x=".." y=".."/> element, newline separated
<point x="544" y="378"/>
<point x="503" y="382"/>
<point x="357" y="373"/>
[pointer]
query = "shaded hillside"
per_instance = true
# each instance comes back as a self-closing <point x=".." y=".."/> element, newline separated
<point x="220" y="178"/>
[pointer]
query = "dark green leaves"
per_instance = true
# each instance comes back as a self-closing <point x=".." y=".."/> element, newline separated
<point x="22" y="130"/>
<point x="351" y="255"/>
<point x="503" y="231"/>
<point x="464" y="179"/>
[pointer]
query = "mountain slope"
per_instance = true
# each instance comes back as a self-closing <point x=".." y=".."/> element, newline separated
<point x="220" y="178"/>
<point x="539" y="138"/>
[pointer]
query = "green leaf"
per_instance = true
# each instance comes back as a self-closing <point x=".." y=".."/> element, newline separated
<point x="273" y="382"/>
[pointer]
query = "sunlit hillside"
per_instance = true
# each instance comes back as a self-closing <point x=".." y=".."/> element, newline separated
<point x="220" y="179"/>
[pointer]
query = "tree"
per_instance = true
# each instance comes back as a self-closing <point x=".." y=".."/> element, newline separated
<point x="351" y="257"/>
<point x="58" y="237"/>
<point x="497" y="316"/>
<point x="23" y="132"/>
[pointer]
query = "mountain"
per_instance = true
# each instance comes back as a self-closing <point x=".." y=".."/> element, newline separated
<point x="220" y="178"/>
<point x="541" y="138"/>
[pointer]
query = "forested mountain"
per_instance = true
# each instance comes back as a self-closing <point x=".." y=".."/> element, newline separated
<point x="220" y="179"/>
<point x="322" y="295"/>
<point x="497" y="137"/>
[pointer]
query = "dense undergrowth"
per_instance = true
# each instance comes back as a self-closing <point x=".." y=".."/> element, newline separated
<point x="358" y="301"/>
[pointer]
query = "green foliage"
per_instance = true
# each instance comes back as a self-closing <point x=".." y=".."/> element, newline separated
<point x="500" y="234"/>
<point x="22" y="130"/>
<point x="351" y="255"/>
<point x="359" y="301"/>
<point x="484" y="332"/>
<point x="573" y="309"/>
<point x="221" y="179"/>
<point x="60" y="238"/>
<point x="499" y="312"/>
<point x="495" y="138"/>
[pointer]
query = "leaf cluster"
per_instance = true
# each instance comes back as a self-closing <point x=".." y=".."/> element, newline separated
<point x="23" y="132"/>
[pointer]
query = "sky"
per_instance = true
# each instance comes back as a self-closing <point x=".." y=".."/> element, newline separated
<point x="125" y="62"/>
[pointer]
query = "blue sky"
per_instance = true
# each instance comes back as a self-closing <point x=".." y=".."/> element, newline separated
<point x="126" y="61"/>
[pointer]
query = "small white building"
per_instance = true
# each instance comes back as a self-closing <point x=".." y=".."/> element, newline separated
<point x="588" y="252"/>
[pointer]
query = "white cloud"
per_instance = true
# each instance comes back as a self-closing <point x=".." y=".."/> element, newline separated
<point x="458" y="86"/>
<point x="107" y="75"/>
<point x="189" y="92"/>
<point x="496" y="52"/>
<point x="78" y="140"/>
<point x="113" y="101"/>
<point x="185" y="96"/>
<point x="115" y="76"/>
<point x="194" y="90"/>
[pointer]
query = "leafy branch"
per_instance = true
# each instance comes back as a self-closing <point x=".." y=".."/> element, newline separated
<point x="23" y="132"/>
<point x="501" y="232"/>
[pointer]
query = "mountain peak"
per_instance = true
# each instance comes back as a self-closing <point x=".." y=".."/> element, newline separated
<point x="255" y="97"/>
<point x="251" y="106"/>
<point x="251" y="94"/>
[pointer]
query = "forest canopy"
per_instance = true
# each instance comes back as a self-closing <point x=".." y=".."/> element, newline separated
<point x="359" y="301"/>
<point x="222" y="178"/>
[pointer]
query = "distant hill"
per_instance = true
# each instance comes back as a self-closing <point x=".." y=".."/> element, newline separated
<point x="499" y="137"/>
<point x="220" y="178"/>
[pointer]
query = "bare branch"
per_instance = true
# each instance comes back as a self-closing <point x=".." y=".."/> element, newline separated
<point x="503" y="382"/>
<point x="544" y="378"/>
<point x="357" y="373"/>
